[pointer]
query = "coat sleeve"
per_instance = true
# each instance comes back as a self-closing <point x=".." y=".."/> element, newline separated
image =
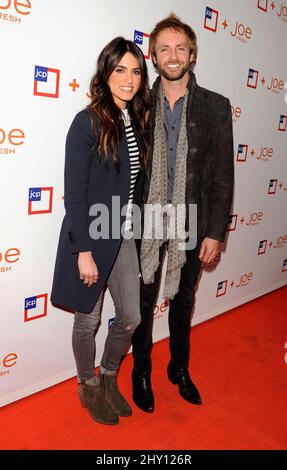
<point x="79" y="145"/>
<point x="221" y="189"/>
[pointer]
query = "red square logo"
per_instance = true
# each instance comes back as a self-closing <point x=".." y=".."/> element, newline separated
<point x="262" y="247"/>
<point x="242" y="153"/>
<point x="142" y="40"/>
<point x="252" y="80"/>
<point x="262" y="5"/>
<point x="232" y="223"/>
<point x="221" y="288"/>
<point x="211" y="19"/>
<point x="40" y="200"/>
<point x="35" y="307"/>
<point x="46" y="82"/>
<point x="282" y="123"/>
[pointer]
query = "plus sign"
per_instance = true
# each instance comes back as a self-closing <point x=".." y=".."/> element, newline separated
<point x="263" y="81"/>
<point x="252" y="153"/>
<point x="225" y="24"/>
<point x="232" y="284"/>
<point x="280" y="185"/>
<point x="270" y="244"/>
<point x="273" y="5"/>
<point x="74" y="84"/>
<point x="242" y="220"/>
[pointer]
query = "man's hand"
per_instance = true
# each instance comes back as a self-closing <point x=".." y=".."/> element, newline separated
<point x="209" y="250"/>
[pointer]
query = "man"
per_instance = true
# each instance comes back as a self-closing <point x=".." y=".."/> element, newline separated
<point x="191" y="163"/>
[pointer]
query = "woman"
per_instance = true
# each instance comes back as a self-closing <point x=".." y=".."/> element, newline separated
<point x="106" y="153"/>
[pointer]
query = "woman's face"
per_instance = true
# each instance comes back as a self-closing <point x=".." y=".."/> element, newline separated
<point x="125" y="80"/>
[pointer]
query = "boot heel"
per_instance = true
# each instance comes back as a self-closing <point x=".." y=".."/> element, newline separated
<point x="114" y="397"/>
<point x="142" y="391"/>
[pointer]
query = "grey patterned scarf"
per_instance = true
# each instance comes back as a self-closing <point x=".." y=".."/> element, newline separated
<point x="158" y="195"/>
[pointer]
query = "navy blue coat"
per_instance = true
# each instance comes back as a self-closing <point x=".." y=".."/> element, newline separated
<point x="89" y="179"/>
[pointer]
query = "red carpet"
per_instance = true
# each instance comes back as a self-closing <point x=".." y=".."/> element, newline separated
<point x="238" y="364"/>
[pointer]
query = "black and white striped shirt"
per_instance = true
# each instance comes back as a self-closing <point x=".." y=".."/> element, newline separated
<point x="134" y="155"/>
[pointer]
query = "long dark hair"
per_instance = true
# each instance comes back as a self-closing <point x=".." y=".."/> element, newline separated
<point x="104" y="107"/>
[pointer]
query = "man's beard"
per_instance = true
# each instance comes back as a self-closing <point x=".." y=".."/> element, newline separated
<point x="171" y="76"/>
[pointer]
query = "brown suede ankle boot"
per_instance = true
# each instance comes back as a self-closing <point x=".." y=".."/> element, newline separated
<point x="114" y="397"/>
<point x="93" y="398"/>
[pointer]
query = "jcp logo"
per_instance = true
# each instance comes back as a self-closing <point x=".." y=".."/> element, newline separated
<point x="41" y="74"/>
<point x="33" y="195"/>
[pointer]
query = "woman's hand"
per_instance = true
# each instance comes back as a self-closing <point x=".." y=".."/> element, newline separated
<point x="88" y="269"/>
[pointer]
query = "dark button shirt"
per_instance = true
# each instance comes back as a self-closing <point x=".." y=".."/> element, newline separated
<point x="172" y="120"/>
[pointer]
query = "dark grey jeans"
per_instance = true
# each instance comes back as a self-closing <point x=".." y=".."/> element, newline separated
<point x="123" y="284"/>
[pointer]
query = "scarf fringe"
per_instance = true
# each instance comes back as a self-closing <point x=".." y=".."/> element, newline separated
<point x="158" y="193"/>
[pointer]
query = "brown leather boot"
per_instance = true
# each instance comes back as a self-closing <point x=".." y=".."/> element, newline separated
<point x="93" y="398"/>
<point x="114" y="397"/>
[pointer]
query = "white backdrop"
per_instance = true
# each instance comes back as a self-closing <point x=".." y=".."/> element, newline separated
<point x="241" y="51"/>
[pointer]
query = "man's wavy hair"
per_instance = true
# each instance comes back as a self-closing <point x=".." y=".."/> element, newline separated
<point x="106" y="116"/>
<point x="175" y="23"/>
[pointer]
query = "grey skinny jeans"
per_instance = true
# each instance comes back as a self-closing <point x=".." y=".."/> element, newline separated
<point x="123" y="284"/>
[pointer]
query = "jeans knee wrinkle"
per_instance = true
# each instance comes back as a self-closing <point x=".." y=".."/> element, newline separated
<point x="87" y="326"/>
<point x="132" y="326"/>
